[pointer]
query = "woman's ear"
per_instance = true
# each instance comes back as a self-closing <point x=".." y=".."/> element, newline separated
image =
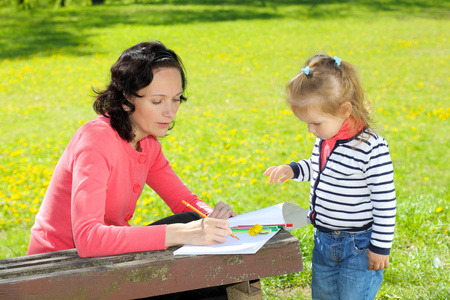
<point x="124" y="106"/>
<point x="346" y="109"/>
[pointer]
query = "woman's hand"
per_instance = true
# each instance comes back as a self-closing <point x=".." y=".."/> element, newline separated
<point x="279" y="174"/>
<point x="377" y="261"/>
<point x="222" y="211"/>
<point x="203" y="232"/>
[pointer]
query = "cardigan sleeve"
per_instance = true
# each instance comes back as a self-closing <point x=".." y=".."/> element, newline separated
<point x="302" y="170"/>
<point x="380" y="180"/>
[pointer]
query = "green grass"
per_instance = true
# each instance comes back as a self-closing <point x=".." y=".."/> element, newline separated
<point x="236" y="123"/>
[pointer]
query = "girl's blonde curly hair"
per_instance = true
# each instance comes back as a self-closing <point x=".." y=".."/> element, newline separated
<point x="327" y="84"/>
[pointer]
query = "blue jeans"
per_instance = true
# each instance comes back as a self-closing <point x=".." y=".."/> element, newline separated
<point x="340" y="267"/>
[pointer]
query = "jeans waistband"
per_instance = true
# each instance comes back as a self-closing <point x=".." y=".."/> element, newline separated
<point x="365" y="228"/>
<point x="342" y="232"/>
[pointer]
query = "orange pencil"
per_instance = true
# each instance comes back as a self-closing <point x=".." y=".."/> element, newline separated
<point x="201" y="214"/>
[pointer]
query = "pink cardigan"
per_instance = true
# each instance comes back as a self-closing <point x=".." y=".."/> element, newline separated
<point x="93" y="193"/>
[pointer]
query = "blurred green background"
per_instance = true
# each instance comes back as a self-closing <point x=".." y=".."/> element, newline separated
<point x="239" y="55"/>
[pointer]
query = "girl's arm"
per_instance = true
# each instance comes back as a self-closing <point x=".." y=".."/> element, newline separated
<point x="299" y="171"/>
<point x="380" y="180"/>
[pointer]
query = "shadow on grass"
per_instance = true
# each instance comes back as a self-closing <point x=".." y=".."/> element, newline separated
<point x="28" y="33"/>
<point x="65" y="30"/>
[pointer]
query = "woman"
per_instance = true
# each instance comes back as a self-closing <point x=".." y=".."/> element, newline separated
<point x="101" y="174"/>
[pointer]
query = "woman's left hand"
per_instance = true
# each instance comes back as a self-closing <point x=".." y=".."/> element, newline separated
<point x="222" y="211"/>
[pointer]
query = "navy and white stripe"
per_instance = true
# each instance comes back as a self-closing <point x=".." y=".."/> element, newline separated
<point x="354" y="191"/>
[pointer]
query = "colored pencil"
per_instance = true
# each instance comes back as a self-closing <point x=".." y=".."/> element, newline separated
<point x="265" y="229"/>
<point x="282" y="225"/>
<point x="273" y="228"/>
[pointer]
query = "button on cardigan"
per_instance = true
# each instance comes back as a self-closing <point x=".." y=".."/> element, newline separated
<point x="93" y="193"/>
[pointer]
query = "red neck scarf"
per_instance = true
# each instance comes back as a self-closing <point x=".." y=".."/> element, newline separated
<point x="344" y="133"/>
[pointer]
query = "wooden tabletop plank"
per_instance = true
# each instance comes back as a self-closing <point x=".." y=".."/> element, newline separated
<point x="144" y="274"/>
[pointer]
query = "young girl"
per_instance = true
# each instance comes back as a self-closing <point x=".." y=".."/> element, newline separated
<point x="352" y="195"/>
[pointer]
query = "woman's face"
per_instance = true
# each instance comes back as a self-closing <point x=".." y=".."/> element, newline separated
<point x="157" y="107"/>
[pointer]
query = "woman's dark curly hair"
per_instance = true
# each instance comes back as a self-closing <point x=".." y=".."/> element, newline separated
<point x="132" y="72"/>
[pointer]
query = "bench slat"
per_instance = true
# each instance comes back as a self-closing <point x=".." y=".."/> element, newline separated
<point x="4" y="263"/>
<point x="145" y="274"/>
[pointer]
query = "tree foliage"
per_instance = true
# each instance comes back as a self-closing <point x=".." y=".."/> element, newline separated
<point x="35" y="4"/>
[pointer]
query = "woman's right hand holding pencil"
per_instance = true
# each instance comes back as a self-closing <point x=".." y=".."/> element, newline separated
<point x="203" y="232"/>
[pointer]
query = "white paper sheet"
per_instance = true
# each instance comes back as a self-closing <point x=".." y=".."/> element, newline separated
<point x="269" y="215"/>
<point x="246" y="244"/>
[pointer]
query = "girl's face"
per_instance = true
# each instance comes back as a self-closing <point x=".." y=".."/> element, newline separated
<point x="157" y="107"/>
<point x="320" y="124"/>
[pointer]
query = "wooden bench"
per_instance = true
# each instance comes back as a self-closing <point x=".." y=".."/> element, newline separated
<point x="64" y="275"/>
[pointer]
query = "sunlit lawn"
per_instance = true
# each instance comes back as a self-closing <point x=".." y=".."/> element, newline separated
<point x="236" y="123"/>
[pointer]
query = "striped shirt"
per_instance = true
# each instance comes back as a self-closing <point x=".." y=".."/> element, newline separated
<point x="355" y="189"/>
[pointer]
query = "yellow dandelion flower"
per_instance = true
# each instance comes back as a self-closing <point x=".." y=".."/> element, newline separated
<point x="16" y="153"/>
<point x="137" y="220"/>
<point x="255" y="229"/>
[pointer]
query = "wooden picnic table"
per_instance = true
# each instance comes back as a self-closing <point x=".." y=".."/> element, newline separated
<point x="65" y="275"/>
